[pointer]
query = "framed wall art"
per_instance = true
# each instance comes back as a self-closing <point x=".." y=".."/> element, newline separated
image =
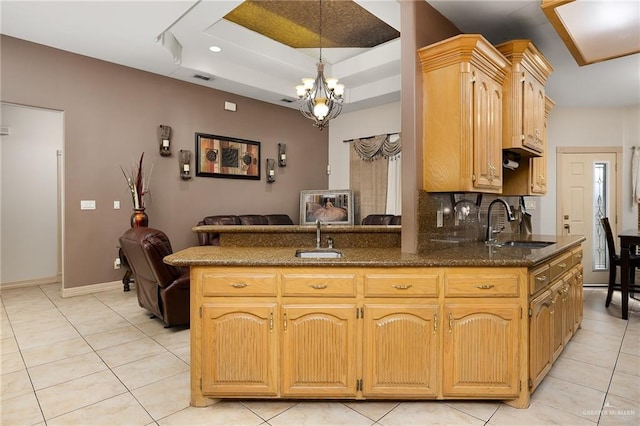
<point x="226" y="157"/>
<point x="329" y="206"/>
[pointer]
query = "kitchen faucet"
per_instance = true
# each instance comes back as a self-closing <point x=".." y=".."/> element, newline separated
<point x="510" y="218"/>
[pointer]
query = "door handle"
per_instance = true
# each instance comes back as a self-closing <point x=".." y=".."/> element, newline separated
<point x="568" y="228"/>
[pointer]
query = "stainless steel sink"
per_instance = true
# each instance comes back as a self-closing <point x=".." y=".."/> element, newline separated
<point x="526" y="244"/>
<point x="319" y="253"/>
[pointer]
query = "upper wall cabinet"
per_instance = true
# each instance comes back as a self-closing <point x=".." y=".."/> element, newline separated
<point x="524" y="98"/>
<point x="531" y="177"/>
<point x="462" y="93"/>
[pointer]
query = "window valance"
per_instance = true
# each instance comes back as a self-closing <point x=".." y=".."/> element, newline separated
<point x="379" y="146"/>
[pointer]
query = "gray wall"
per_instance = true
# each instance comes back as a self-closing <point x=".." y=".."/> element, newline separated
<point x="112" y="114"/>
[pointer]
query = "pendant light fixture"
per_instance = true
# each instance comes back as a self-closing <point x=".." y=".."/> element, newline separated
<point x="321" y="99"/>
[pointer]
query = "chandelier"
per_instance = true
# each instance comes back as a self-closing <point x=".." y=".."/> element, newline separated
<point x="321" y="97"/>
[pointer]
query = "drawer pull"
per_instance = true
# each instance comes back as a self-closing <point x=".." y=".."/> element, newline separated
<point x="485" y="286"/>
<point x="402" y="286"/>
<point x="319" y="286"/>
<point x="562" y="265"/>
<point x="542" y="278"/>
<point x="239" y="285"/>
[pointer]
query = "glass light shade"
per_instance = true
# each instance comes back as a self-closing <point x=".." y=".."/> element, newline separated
<point x="308" y="83"/>
<point x="331" y="83"/>
<point x="320" y="109"/>
<point x="300" y="90"/>
<point x="339" y="90"/>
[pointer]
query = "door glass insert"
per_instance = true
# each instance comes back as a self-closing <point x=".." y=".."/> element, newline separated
<point x="600" y="210"/>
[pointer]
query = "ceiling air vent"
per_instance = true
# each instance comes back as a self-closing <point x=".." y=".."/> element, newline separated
<point x="286" y="100"/>
<point x="202" y="77"/>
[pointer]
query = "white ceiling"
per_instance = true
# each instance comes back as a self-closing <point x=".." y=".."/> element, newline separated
<point x="126" y="33"/>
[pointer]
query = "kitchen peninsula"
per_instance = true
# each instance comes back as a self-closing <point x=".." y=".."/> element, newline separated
<point x="462" y="321"/>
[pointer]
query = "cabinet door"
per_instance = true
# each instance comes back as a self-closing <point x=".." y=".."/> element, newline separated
<point x="568" y="308"/>
<point x="533" y="113"/>
<point x="481" y="356"/>
<point x="319" y="350"/>
<point x="557" y="317"/>
<point x="578" y="298"/>
<point x="239" y="349"/>
<point x="400" y="350"/>
<point x="540" y="338"/>
<point x="487" y="132"/>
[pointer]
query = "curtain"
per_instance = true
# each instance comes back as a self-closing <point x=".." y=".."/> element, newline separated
<point x="394" y="185"/>
<point x="376" y="184"/>
<point x="377" y="146"/>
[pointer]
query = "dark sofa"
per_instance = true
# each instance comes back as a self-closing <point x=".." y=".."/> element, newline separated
<point x="213" y="238"/>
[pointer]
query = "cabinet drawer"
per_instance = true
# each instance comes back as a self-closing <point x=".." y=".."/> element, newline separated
<point x="239" y="284"/>
<point x="576" y="255"/>
<point x="401" y="285"/>
<point x="539" y="278"/>
<point x="482" y="283"/>
<point x="338" y="285"/>
<point x="560" y="265"/>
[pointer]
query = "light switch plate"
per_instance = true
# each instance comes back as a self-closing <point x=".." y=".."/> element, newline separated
<point x="116" y="205"/>
<point x="87" y="204"/>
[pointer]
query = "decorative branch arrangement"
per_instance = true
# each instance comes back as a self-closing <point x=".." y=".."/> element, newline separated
<point x="138" y="186"/>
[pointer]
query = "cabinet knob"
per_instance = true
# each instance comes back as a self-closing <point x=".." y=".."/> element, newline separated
<point x="485" y="286"/>
<point x="319" y="286"/>
<point x="402" y="286"/>
<point x="239" y="285"/>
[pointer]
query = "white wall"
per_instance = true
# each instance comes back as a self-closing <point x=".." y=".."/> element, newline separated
<point x="590" y="127"/>
<point x="370" y="122"/>
<point x="29" y="204"/>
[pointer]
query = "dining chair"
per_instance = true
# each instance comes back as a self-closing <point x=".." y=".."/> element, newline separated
<point x="615" y="261"/>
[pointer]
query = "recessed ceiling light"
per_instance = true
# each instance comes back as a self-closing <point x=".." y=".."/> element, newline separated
<point x="215" y="49"/>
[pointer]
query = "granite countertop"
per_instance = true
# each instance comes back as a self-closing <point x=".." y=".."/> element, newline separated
<point x="297" y="229"/>
<point x="444" y="253"/>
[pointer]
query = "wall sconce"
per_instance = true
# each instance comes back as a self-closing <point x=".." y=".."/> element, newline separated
<point x="271" y="170"/>
<point x="165" y="141"/>
<point x="282" y="154"/>
<point x="185" y="164"/>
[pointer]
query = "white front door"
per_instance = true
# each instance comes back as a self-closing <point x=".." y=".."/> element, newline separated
<point x="587" y="191"/>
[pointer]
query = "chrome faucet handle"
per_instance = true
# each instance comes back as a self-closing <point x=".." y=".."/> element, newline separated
<point x="330" y="242"/>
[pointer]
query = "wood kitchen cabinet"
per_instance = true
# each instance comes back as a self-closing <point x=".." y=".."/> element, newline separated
<point x="401" y="333"/>
<point x="409" y="332"/>
<point x="482" y="302"/>
<point x="557" y="302"/>
<point x="531" y="177"/>
<point x="239" y="349"/>
<point x="463" y="108"/>
<point x="541" y="338"/>
<point x="319" y="333"/>
<point x="319" y="350"/>
<point x="524" y="98"/>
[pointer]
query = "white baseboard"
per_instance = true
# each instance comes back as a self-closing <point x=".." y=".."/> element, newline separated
<point x="66" y="292"/>
<point x="29" y="283"/>
<point x="92" y="288"/>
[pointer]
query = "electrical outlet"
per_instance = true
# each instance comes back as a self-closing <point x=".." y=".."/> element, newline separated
<point x="116" y="263"/>
<point x="530" y="205"/>
<point x="87" y="204"/>
<point x="440" y="219"/>
<point x="116" y="205"/>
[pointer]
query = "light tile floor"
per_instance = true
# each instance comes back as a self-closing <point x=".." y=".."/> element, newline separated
<point x="100" y="360"/>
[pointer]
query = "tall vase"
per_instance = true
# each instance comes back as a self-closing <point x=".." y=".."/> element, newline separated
<point x="139" y="218"/>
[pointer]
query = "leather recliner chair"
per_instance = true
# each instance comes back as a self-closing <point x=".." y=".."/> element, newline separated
<point x="162" y="289"/>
